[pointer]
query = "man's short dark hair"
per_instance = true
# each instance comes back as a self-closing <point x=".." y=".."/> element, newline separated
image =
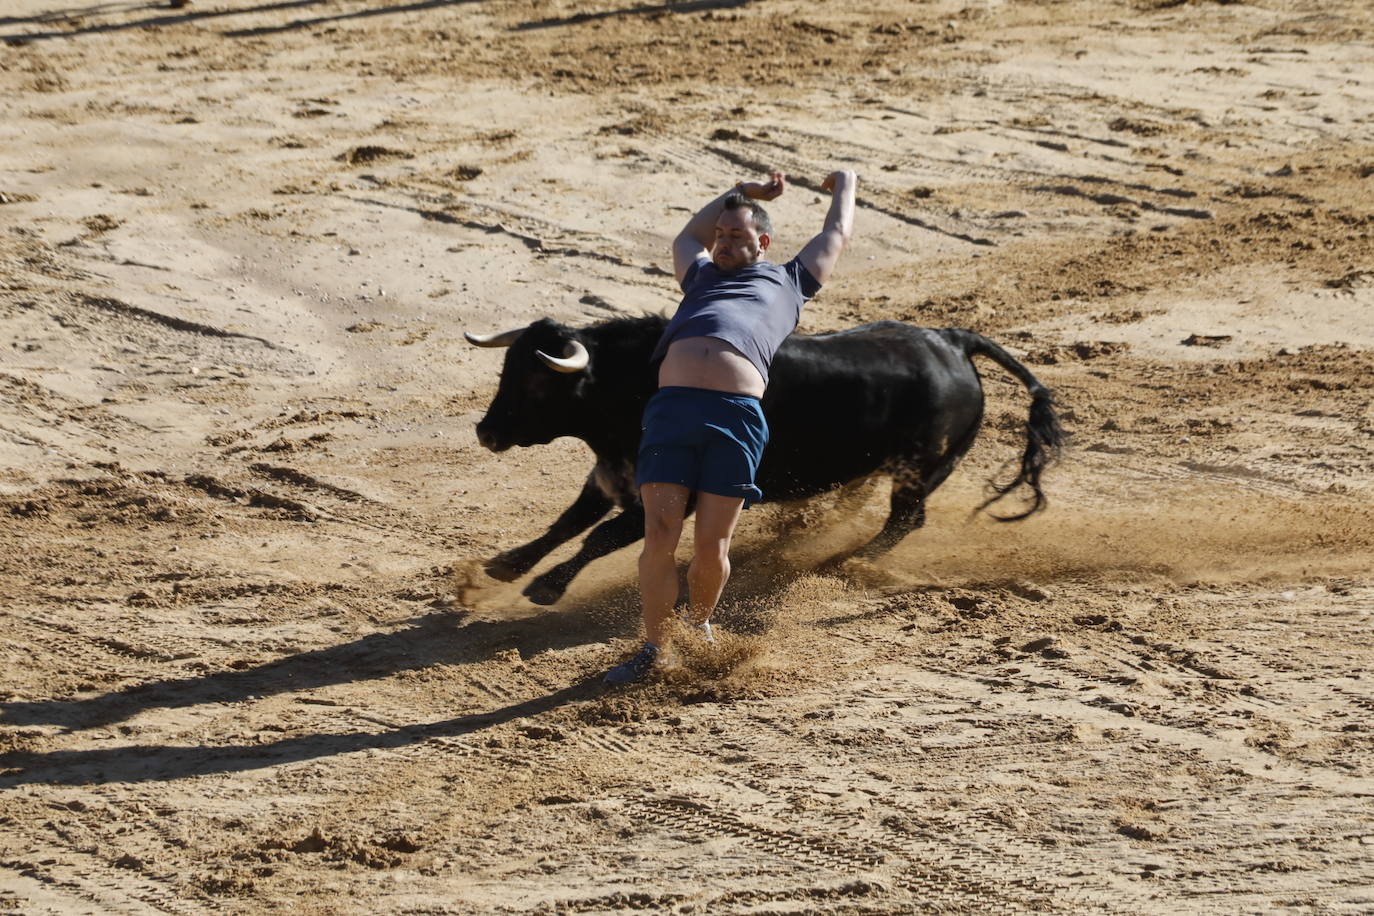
<point x="737" y="201"/>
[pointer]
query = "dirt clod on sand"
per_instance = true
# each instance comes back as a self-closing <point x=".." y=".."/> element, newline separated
<point x="255" y="658"/>
<point x="365" y="155"/>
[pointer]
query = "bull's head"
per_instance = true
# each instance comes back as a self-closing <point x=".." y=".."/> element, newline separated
<point x="539" y="396"/>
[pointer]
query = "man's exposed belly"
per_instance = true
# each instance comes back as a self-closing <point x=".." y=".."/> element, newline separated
<point x="709" y="362"/>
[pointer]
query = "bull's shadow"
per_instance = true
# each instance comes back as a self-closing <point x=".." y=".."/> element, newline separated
<point x="431" y="639"/>
<point x="679" y="7"/>
<point x="417" y="7"/>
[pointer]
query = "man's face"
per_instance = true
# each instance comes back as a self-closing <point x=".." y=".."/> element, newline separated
<point x="738" y="244"/>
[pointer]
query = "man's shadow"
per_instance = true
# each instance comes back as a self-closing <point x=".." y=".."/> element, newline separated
<point x="436" y="638"/>
<point x="160" y="763"/>
<point x="440" y="637"/>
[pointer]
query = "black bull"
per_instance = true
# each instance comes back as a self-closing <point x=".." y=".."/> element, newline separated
<point x="884" y="398"/>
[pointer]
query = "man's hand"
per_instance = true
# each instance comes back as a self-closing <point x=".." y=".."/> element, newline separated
<point x="763" y="190"/>
<point x="846" y="178"/>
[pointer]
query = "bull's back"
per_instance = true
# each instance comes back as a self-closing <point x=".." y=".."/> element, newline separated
<point x="840" y="406"/>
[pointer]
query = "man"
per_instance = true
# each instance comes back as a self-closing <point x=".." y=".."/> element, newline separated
<point x="704" y="430"/>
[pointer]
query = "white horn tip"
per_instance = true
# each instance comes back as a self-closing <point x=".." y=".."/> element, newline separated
<point x="577" y="359"/>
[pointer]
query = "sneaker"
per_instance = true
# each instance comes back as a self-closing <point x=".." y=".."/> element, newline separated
<point x="703" y="628"/>
<point x="635" y="668"/>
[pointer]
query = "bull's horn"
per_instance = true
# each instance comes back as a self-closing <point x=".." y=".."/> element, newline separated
<point x="504" y="339"/>
<point x="576" y="360"/>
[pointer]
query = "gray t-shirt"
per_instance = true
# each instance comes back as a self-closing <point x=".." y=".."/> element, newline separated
<point x="753" y="309"/>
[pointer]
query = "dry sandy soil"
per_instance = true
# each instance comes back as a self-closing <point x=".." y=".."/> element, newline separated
<point x="252" y="665"/>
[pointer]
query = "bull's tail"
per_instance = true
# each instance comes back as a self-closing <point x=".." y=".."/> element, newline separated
<point x="1044" y="434"/>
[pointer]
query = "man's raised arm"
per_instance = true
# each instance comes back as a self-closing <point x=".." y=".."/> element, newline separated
<point x="699" y="234"/>
<point x="821" y="253"/>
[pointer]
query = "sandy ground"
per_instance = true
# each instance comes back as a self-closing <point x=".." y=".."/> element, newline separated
<point x="251" y="665"/>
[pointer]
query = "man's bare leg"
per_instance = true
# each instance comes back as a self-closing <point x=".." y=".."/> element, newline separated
<point x="715" y="526"/>
<point x="665" y="506"/>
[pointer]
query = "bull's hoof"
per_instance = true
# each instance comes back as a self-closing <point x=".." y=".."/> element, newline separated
<point x="502" y="569"/>
<point x="543" y="593"/>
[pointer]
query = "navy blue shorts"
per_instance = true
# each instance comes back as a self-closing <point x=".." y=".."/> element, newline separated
<point x="707" y="441"/>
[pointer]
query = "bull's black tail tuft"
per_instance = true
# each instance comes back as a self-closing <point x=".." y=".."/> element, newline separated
<point x="1044" y="434"/>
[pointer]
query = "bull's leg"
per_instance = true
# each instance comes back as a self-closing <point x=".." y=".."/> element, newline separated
<point x="908" y="513"/>
<point x="591" y="504"/>
<point x="609" y="536"/>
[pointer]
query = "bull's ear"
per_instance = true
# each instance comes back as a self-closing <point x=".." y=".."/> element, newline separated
<point x="576" y="359"/>
<point x="504" y="339"/>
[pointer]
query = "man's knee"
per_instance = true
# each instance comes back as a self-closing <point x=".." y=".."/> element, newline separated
<point x="713" y="553"/>
<point x="661" y="534"/>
